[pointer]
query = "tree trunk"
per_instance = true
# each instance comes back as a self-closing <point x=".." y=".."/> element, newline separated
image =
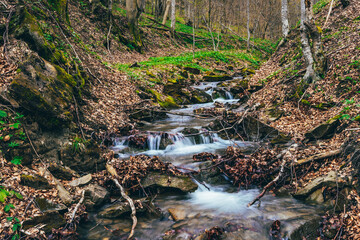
<point x="314" y="57"/>
<point x="284" y="18"/>
<point x="310" y="74"/>
<point x="61" y="7"/>
<point x="248" y="23"/>
<point x="173" y="14"/>
<point x="134" y="8"/>
<point x="166" y="12"/>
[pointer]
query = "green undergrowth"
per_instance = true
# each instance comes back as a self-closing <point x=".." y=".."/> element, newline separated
<point x="320" y="5"/>
<point x="195" y="61"/>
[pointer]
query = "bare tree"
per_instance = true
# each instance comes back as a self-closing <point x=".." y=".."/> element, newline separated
<point x="248" y="22"/>
<point x="173" y="14"/>
<point x="166" y="12"/>
<point x="284" y="18"/>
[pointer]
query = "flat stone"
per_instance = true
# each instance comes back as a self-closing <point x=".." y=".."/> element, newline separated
<point x="115" y="210"/>
<point x="177" y="214"/>
<point x="81" y="181"/>
<point x="63" y="194"/>
<point x="182" y="183"/>
<point x="330" y="180"/>
<point x="95" y="196"/>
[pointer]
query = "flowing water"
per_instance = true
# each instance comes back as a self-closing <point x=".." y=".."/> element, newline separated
<point x="217" y="205"/>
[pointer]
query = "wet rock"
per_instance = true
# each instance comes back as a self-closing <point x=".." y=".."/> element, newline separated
<point x="51" y="219"/>
<point x="192" y="70"/>
<point x="186" y="95"/>
<point x="308" y="230"/>
<point x="211" y="175"/>
<point x="273" y="114"/>
<point x="329" y="180"/>
<point x="34" y="181"/>
<point x="138" y="141"/>
<point x="147" y="114"/>
<point x="159" y="180"/>
<point x="81" y="181"/>
<point x="165" y="141"/>
<point x="325" y="130"/>
<point x="317" y="196"/>
<point x="95" y="196"/>
<point x="123" y="208"/>
<point x="61" y="172"/>
<point x="177" y="213"/>
<point x="205" y="156"/>
<point x="46" y="205"/>
<point x="216" y="78"/>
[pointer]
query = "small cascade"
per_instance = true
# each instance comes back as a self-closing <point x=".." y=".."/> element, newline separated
<point x="229" y="95"/>
<point x="153" y="141"/>
<point x="206" y="139"/>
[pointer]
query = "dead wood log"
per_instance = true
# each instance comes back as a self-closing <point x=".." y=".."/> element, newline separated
<point x="113" y="173"/>
<point x="319" y="157"/>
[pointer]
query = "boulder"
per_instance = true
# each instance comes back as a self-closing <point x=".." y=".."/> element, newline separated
<point x="192" y="70"/>
<point x="95" y="196"/>
<point x="147" y="114"/>
<point x="329" y="180"/>
<point x="81" y="181"/>
<point x="63" y="194"/>
<point x="51" y="219"/>
<point x="308" y="230"/>
<point x="160" y="180"/>
<point x="34" y="181"/>
<point x="325" y="130"/>
<point x="177" y="213"/>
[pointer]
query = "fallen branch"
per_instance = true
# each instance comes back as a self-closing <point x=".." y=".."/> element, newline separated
<point x="77" y="206"/>
<point x="318" y="157"/>
<point x="270" y="184"/>
<point x="328" y="15"/>
<point x="112" y="172"/>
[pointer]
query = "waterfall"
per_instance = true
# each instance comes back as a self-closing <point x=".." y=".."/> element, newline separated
<point x="228" y="95"/>
<point x="153" y="141"/>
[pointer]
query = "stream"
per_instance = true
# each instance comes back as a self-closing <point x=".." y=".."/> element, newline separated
<point x="220" y="204"/>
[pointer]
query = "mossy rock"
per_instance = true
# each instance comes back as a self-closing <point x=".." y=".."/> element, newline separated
<point x="34" y="181"/>
<point x="45" y="92"/>
<point x="164" y="101"/>
<point x="163" y="181"/>
<point x="26" y="27"/>
<point x="325" y="130"/>
<point x="216" y="78"/>
<point x="52" y="220"/>
<point x="308" y="230"/>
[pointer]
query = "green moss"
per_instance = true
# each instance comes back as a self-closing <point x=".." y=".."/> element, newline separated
<point x="63" y="76"/>
<point x="337" y="117"/>
<point x="164" y="101"/>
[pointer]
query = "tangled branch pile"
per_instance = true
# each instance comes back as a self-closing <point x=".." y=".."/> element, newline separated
<point x="245" y="171"/>
<point x="132" y="170"/>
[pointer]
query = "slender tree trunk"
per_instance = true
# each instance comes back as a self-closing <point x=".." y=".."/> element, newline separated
<point x="248" y="22"/>
<point x="284" y="18"/>
<point x="173" y="14"/>
<point x="166" y="12"/>
<point x="310" y="74"/>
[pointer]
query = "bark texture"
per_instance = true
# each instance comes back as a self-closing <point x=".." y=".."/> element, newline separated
<point x="173" y="14"/>
<point x="134" y="8"/>
<point x="284" y="18"/>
